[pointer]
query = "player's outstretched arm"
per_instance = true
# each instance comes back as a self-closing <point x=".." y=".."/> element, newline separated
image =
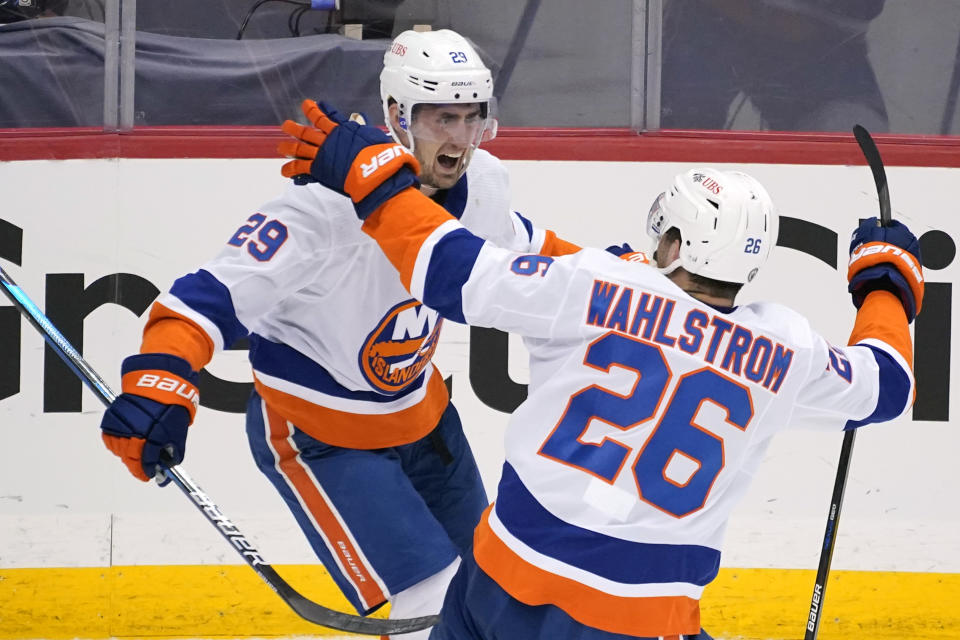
<point x="886" y="284"/>
<point x="434" y="254"/>
<point x="871" y="380"/>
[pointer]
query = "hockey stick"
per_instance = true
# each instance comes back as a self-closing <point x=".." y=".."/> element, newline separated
<point x="306" y="609"/>
<point x="524" y="24"/>
<point x="872" y="154"/>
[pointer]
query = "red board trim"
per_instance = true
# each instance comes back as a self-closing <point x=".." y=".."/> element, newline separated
<point x="511" y="144"/>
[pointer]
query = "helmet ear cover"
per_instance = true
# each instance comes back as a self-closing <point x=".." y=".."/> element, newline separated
<point x="726" y="219"/>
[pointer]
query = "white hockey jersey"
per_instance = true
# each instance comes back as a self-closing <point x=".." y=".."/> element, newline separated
<point x="337" y="344"/>
<point x="647" y="415"/>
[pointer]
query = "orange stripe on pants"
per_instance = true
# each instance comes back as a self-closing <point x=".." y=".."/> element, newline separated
<point x="338" y="542"/>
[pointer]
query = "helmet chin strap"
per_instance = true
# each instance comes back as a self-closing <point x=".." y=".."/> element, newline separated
<point x="670" y="268"/>
<point x="410" y="147"/>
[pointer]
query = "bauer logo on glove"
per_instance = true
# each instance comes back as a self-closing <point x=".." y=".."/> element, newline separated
<point x="886" y="258"/>
<point x="353" y="159"/>
<point x="382" y="159"/>
<point x="146" y="425"/>
<point x="387" y="158"/>
<point x="165" y="384"/>
<point x="865" y="251"/>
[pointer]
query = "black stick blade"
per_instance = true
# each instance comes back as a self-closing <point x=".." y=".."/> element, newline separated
<point x="872" y="154"/>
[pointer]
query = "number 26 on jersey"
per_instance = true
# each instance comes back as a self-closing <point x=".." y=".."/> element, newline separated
<point x="675" y="436"/>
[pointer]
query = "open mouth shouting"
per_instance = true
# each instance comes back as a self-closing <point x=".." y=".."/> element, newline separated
<point x="451" y="162"/>
<point x="443" y="165"/>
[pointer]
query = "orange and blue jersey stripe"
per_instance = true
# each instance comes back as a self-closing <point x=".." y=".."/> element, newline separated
<point x="412" y="230"/>
<point x="433" y="252"/>
<point x="881" y="326"/>
<point x="306" y="394"/>
<point x="204" y="296"/>
<point x="299" y="388"/>
<point x="359" y="424"/>
<point x="550" y="243"/>
<point x="617" y="585"/>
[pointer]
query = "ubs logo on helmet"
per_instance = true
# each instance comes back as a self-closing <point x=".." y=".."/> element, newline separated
<point x="400" y="348"/>
<point x="709" y="184"/>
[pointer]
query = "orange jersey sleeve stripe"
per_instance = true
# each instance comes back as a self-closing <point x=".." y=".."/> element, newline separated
<point x="362" y="431"/>
<point x="167" y="331"/>
<point x="555" y="246"/>
<point x="881" y="316"/>
<point x="636" y="616"/>
<point x="163" y="387"/>
<point x="339" y="543"/>
<point x="401" y="225"/>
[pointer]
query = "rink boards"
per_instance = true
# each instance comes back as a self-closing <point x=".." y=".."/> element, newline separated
<point x="86" y="551"/>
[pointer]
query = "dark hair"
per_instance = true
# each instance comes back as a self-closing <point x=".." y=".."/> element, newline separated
<point x="718" y="288"/>
<point x="391" y="101"/>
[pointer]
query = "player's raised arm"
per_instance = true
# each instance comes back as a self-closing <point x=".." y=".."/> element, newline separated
<point x="886" y="282"/>
<point x="870" y="380"/>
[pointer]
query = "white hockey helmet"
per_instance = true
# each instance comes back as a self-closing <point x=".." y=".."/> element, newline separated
<point x="727" y="222"/>
<point x="436" y="67"/>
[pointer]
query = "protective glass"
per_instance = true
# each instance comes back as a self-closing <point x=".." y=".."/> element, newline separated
<point x="460" y="123"/>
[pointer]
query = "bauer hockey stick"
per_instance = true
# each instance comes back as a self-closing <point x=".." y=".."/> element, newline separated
<point x="872" y="154"/>
<point x="306" y="609"/>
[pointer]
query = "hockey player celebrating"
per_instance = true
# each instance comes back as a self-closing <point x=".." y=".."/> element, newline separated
<point x="652" y="396"/>
<point x="350" y="420"/>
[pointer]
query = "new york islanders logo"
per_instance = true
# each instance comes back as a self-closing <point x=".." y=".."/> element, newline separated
<point x="400" y="348"/>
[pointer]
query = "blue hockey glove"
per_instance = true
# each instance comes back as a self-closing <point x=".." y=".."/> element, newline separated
<point x="621" y="249"/>
<point x="886" y="258"/>
<point x="626" y="252"/>
<point x="353" y="159"/>
<point x="147" y="423"/>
